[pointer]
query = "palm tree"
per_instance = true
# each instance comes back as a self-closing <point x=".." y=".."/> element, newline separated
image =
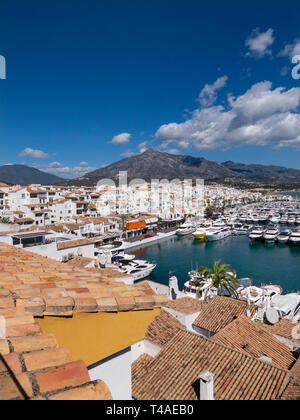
<point x="222" y="277"/>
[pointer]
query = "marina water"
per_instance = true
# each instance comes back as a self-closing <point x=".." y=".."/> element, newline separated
<point x="263" y="263"/>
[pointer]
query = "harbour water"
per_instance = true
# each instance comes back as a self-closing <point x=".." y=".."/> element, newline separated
<point x="294" y="194"/>
<point x="264" y="263"/>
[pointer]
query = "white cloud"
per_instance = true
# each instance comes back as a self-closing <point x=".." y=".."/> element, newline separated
<point x="128" y="153"/>
<point x="261" y="116"/>
<point x="143" y="146"/>
<point x="208" y="94"/>
<point x="291" y="49"/>
<point x="66" y="171"/>
<point x="34" y="154"/>
<point x="121" y="139"/>
<point x="259" y="43"/>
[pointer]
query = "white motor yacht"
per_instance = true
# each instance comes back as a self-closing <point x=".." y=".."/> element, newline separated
<point x="205" y="291"/>
<point x="284" y="236"/>
<point x="240" y="229"/>
<point x="271" y="234"/>
<point x="284" y="219"/>
<point x="137" y="269"/>
<point x="243" y="218"/>
<point x="217" y="234"/>
<point x="295" y="237"/>
<point x="200" y="232"/>
<point x="257" y="233"/>
<point x="275" y="218"/>
<point x="185" y="229"/>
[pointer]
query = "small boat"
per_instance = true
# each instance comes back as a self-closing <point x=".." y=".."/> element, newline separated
<point x="284" y="236"/>
<point x="185" y="229"/>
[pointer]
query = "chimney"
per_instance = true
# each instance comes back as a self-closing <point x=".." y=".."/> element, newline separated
<point x="206" y="386"/>
<point x="173" y="288"/>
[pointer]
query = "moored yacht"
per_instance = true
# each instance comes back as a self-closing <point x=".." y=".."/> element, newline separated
<point x="137" y="269"/>
<point x="185" y="229"/>
<point x="200" y="232"/>
<point x="275" y="218"/>
<point x="284" y="236"/>
<point x="295" y="237"/>
<point x="240" y="229"/>
<point x="284" y="219"/>
<point x="217" y="234"/>
<point x="271" y="234"/>
<point x="257" y="233"/>
<point x="199" y="287"/>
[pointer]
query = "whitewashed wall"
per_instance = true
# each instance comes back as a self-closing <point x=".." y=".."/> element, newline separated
<point x="115" y="371"/>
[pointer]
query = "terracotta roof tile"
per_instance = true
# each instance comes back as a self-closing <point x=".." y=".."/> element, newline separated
<point x="284" y="328"/>
<point x="46" y="358"/>
<point x="185" y="305"/>
<point x="34" y="286"/>
<point x="12" y="388"/>
<point x="293" y="390"/>
<point x="31" y="281"/>
<point x="33" y="343"/>
<point x="93" y="391"/>
<point x="73" y="243"/>
<point x="248" y="336"/>
<point x="164" y="327"/>
<point x="69" y="375"/>
<point x="138" y="367"/>
<point x="220" y="311"/>
<point x="174" y="373"/>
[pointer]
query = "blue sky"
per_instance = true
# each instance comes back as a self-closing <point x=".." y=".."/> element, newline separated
<point x="92" y="81"/>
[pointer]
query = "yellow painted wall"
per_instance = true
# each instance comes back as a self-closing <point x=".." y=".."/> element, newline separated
<point x="92" y="337"/>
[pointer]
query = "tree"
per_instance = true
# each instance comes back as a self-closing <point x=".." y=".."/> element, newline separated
<point x="209" y="211"/>
<point x="222" y="276"/>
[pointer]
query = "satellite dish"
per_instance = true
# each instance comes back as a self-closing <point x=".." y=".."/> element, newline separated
<point x="272" y="316"/>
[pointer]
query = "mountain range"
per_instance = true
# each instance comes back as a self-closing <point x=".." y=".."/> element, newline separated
<point x="153" y="164"/>
<point x="24" y="175"/>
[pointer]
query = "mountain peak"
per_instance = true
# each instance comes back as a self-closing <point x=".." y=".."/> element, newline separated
<point x="150" y="151"/>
